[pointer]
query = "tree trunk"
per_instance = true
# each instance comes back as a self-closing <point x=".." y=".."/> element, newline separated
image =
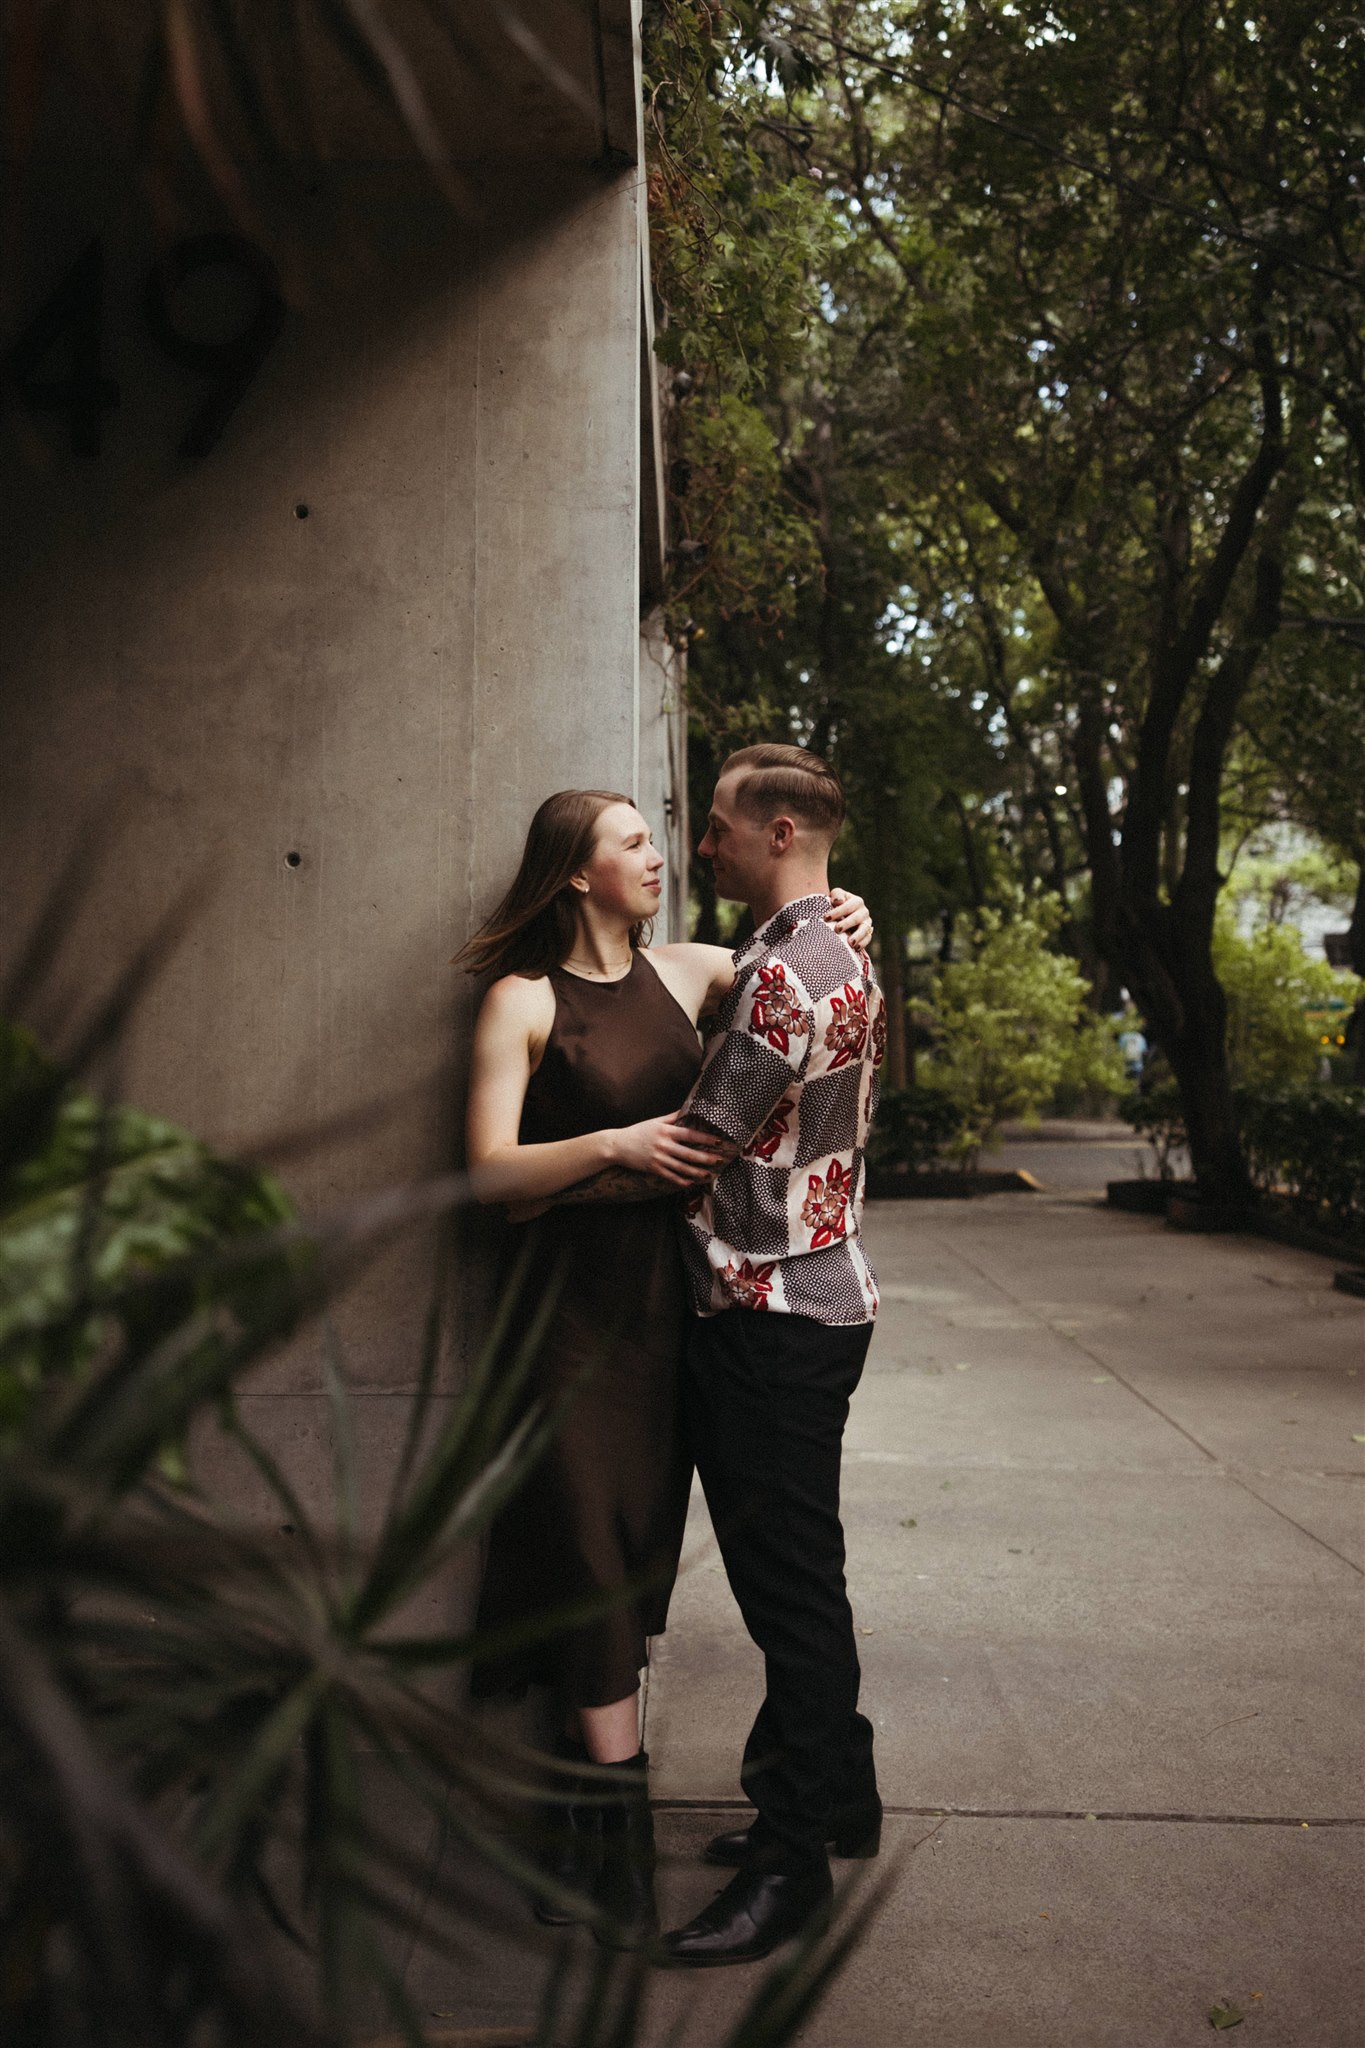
<point x="1356" y="952"/>
<point x="1356" y="929"/>
<point x="1200" y="1066"/>
<point x="969" y="859"/>
<point x="1170" y="974"/>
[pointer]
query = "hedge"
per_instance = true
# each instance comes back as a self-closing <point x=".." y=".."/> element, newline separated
<point x="1307" y="1145"/>
<point x="915" y="1128"/>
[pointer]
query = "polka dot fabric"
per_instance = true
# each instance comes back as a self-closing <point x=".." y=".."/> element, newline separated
<point x="791" y="1077"/>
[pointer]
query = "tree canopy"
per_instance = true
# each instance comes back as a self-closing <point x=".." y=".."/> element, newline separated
<point x="1063" y="392"/>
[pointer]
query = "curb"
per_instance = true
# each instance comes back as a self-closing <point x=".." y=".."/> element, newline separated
<point x="937" y="1187"/>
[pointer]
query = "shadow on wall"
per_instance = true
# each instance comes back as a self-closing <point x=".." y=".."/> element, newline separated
<point x="332" y="663"/>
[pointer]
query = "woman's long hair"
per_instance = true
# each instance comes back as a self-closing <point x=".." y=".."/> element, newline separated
<point x="534" y="927"/>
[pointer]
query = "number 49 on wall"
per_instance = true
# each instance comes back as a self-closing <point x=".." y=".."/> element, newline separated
<point x="73" y="316"/>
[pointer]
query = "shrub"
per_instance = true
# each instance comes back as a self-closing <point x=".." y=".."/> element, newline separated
<point x="1305" y="1146"/>
<point x="95" y="1199"/>
<point x="1093" y="1072"/>
<point x="1156" y="1115"/>
<point x="209" y="1741"/>
<point x="1011" y="1020"/>
<point x="914" y="1127"/>
<point x="1308" y="1145"/>
<point x="1270" y="983"/>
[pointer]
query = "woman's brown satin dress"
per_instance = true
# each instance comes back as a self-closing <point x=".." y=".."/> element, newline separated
<point x="605" y="1507"/>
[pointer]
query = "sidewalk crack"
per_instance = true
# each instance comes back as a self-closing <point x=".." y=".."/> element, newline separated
<point x="1154" y="1407"/>
<point x="1157" y="1817"/>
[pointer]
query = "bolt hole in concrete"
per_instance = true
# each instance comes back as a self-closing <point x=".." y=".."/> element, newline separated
<point x="300" y="511"/>
<point x="293" y="860"/>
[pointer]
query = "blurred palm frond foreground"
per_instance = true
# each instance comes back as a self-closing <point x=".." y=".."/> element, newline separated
<point x="215" y="1737"/>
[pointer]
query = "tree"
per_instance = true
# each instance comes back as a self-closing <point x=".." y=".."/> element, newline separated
<point x="1097" y="284"/>
<point x="1308" y="722"/>
<point x="737" y="229"/>
<point x="1270" y="982"/>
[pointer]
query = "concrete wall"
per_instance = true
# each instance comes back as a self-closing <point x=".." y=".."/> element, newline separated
<point x="332" y="668"/>
<point x="662" y="782"/>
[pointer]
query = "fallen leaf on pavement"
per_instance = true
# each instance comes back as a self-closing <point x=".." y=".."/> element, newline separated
<point x="1358" y="1439"/>
<point x="1101" y="1379"/>
<point x="910" y="1523"/>
<point x="1226" y="2015"/>
<point x="966" y="1366"/>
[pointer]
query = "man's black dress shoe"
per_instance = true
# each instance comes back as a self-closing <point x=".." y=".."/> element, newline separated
<point x="756" y="1912"/>
<point x="855" y="1836"/>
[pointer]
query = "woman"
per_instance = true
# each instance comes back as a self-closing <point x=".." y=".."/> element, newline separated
<point x="585" y="1048"/>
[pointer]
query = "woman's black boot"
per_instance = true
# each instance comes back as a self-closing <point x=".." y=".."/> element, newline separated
<point x="625" y="1881"/>
<point x="569" y="1840"/>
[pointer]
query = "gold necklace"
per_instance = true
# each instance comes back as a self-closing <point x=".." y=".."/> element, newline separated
<point x="621" y="967"/>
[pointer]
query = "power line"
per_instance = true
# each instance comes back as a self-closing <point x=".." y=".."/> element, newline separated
<point x="910" y="75"/>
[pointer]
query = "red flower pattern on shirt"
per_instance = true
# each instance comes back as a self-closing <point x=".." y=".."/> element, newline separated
<point x="846" y="1034"/>
<point x="749" y="1285"/>
<point x="794" y="972"/>
<point x="766" y="1142"/>
<point x="879" y="1037"/>
<point x="777" y="1016"/>
<point x="825" y="1209"/>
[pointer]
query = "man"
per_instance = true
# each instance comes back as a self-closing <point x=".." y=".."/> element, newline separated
<point x="785" y="1299"/>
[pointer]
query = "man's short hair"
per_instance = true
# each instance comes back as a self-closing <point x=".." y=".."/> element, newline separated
<point x="775" y="779"/>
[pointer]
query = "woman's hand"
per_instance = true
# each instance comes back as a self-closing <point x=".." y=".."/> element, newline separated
<point x="671" y="1151"/>
<point x="850" y="917"/>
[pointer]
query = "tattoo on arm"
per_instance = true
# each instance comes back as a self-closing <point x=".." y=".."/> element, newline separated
<point x="616" y="1184"/>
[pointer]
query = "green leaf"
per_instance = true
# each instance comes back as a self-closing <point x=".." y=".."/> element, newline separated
<point x="1225" y="2014"/>
<point x="96" y="1202"/>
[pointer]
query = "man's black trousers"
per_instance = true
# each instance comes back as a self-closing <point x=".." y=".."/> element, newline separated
<point x="766" y="1401"/>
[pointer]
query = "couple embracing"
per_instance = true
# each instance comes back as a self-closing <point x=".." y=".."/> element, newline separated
<point x="716" y="1307"/>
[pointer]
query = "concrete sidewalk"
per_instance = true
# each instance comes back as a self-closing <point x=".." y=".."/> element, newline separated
<point x="1104" y="1509"/>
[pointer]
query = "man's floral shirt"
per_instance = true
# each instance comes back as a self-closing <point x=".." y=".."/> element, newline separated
<point x="790" y="1076"/>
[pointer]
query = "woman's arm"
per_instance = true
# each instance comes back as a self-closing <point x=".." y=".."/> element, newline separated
<point x="850" y="916"/>
<point x="514" y="1023"/>
<point x="699" y="976"/>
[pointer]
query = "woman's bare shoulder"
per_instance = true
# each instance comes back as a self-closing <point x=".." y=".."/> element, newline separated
<point x="710" y="969"/>
<point x="711" y="960"/>
<point x="515" y="999"/>
<point x="697" y="975"/>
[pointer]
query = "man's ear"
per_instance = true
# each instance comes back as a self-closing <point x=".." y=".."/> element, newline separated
<point x="781" y="835"/>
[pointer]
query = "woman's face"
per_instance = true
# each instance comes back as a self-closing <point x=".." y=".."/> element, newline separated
<point x="624" y="873"/>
